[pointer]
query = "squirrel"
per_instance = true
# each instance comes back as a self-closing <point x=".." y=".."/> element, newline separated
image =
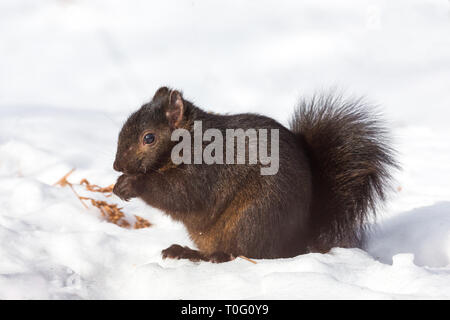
<point x="333" y="172"/>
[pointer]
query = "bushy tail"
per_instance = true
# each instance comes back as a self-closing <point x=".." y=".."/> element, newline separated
<point x="351" y="161"/>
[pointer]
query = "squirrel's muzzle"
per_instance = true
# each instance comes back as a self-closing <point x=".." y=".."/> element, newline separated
<point x="118" y="166"/>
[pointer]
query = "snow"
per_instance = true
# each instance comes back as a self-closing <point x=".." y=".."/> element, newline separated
<point x="71" y="72"/>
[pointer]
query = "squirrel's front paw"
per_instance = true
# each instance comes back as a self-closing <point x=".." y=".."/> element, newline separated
<point x="126" y="187"/>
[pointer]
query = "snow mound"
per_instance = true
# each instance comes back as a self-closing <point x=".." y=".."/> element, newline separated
<point x="423" y="232"/>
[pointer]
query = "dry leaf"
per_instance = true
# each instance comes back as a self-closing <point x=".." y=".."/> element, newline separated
<point x="110" y="211"/>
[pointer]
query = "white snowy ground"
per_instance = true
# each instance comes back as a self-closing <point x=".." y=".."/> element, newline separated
<point x="71" y="71"/>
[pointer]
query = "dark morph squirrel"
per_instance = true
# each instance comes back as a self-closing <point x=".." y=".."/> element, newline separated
<point x="333" y="172"/>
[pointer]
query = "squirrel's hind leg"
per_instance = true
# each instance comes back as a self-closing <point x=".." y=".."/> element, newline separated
<point x="176" y="251"/>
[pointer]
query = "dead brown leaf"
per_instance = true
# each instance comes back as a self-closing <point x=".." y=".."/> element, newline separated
<point x="110" y="211"/>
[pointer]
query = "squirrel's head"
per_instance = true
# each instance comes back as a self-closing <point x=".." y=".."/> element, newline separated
<point x="144" y="141"/>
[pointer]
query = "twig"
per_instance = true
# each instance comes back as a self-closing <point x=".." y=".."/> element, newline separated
<point x="78" y="196"/>
<point x="63" y="181"/>
<point x="248" y="259"/>
<point x="96" y="188"/>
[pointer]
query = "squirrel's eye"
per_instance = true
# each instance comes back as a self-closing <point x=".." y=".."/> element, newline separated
<point x="149" y="138"/>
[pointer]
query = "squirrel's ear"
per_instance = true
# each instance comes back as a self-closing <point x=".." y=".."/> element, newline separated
<point x="163" y="91"/>
<point x="175" y="109"/>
